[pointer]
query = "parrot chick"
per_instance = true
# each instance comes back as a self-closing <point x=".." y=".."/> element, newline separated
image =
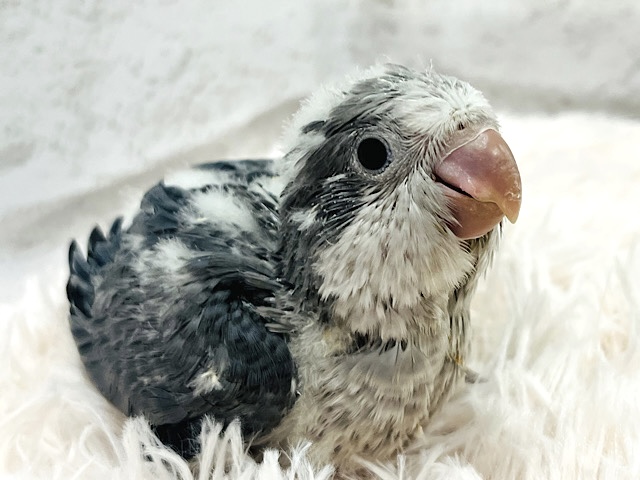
<point x="323" y="297"/>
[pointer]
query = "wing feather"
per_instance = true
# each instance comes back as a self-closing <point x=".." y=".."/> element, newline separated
<point x="167" y="314"/>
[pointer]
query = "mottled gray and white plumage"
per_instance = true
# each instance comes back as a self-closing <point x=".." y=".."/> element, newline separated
<point x="323" y="297"/>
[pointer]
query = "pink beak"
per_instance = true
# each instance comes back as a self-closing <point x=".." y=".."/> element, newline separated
<point x="482" y="183"/>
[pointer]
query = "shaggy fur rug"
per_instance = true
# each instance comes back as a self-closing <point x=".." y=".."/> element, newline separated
<point x="556" y="340"/>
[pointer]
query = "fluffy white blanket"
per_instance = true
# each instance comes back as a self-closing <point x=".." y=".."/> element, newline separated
<point x="556" y="336"/>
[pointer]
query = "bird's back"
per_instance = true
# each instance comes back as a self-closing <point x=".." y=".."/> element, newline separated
<point x="165" y="313"/>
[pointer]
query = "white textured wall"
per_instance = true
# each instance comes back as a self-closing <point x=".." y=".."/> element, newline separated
<point x="97" y="99"/>
<point x="525" y="54"/>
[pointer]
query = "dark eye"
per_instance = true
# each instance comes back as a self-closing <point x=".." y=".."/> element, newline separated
<point x="373" y="154"/>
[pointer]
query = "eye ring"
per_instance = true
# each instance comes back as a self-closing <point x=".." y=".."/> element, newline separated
<point x="373" y="154"/>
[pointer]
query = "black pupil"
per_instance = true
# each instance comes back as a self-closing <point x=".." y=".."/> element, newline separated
<point x="372" y="154"/>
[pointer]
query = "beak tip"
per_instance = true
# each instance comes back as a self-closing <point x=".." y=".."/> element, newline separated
<point x="511" y="204"/>
<point x="512" y="214"/>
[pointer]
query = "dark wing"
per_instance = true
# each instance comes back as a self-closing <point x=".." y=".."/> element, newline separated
<point x="166" y="314"/>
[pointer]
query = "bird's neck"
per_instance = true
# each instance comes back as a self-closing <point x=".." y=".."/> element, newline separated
<point x="336" y="326"/>
<point x="352" y="322"/>
<point x="325" y="331"/>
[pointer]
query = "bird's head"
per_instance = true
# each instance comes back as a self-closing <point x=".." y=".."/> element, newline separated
<point x="397" y="186"/>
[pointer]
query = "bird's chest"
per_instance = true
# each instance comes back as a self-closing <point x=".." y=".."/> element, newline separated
<point x="373" y="403"/>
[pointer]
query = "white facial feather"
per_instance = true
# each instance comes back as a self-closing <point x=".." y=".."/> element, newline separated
<point x="457" y="102"/>
<point x="393" y="255"/>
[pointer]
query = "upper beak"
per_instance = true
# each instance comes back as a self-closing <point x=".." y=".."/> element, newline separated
<point x="482" y="183"/>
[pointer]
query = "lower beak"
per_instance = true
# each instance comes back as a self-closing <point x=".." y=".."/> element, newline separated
<point x="482" y="183"/>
